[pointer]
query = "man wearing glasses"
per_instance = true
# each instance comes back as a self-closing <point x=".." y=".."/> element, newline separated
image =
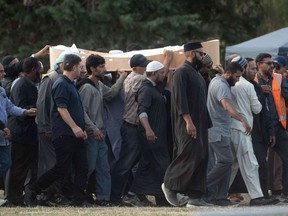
<point x="187" y="171"/>
<point x="275" y="89"/>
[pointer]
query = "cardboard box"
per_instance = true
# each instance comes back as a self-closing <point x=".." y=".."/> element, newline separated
<point x="121" y="61"/>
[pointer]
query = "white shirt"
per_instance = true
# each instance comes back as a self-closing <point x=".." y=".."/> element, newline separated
<point x="245" y="101"/>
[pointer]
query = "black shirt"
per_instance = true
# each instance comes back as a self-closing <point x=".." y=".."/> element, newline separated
<point x="65" y="95"/>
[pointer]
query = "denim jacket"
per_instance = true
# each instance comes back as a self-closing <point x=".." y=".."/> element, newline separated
<point x="7" y="108"/>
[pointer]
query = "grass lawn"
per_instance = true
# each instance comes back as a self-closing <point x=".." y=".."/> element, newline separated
<point x="242" y="210"/>
<point x="103" y="211"/>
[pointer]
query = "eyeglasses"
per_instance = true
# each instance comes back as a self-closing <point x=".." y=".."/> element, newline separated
<point x="200" y="52"/>
<point x="268" y="63"/>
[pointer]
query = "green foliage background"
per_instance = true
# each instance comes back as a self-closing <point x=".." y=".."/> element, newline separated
<point x="27" y="25"/>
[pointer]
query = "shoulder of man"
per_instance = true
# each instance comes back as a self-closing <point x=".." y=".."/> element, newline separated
<point x="52" y="75"/>
<point x="137" y="78"/>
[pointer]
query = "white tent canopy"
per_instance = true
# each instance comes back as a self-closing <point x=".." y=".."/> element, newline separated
<point x="274" y="43"/>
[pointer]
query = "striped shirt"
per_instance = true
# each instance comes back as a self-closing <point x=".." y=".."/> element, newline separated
<point x="131" y="86"/>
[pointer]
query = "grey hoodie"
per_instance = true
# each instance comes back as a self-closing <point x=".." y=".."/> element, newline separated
<point x="92" y="97"/>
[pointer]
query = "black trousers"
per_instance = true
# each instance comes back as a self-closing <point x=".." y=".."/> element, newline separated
<point x="70" y="152"/>
<point x="281" y="148"/>
<point x="260" y="148"/>
<point x="24" y="158"/>
<point x="129" y="156"/>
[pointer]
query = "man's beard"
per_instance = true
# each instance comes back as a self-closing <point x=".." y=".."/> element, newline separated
<point x="159" y="82"/>
<point x="269" y="72"/>
<point x="37" y="78"/>
<point x="231" y="81"/>
<point x="197" y="64"/>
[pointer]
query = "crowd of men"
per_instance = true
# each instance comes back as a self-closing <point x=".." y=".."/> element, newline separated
<point x="80" y="136"/>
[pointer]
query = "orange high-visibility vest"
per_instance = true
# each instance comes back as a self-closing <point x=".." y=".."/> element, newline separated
<point x="278" y="98"/>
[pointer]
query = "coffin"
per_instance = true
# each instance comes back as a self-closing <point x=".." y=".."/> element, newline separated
<point x="121" y="61"/>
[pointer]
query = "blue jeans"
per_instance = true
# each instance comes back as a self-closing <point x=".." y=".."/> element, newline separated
<point x="5" y="159"/>
<point x="129" y="155"/>
<point x="97" y="155"/>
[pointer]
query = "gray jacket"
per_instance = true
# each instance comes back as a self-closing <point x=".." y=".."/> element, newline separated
<point x="92" y="97"/>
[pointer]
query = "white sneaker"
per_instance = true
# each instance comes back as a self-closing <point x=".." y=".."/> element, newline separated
<point x="170" y="196"/>
<point x="3" y="201"/>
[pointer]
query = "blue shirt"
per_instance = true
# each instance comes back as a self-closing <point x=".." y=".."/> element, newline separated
<point x="7" y="108"/>
<point x="65" y="95"/>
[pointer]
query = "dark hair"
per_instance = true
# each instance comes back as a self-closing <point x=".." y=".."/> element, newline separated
<point x="149" y="74"/>
<point x="70" y="60"/>
<point x="7" y="60"/>
<point x="94" y="61"/>
<point x="248" y="59"/>
<point x="261" y="56"/>
<point x="277" y="66"/>
<point x="29" y="64"/>
<point x="233" y="67"/>
<point x="133" y="46"/>
<point x="229" y="58"/>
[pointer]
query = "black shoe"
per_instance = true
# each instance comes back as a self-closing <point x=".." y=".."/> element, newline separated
<point x="43" y="198"/>
<point x="262" y="201"/>
<point x="77" y="202"/>
<point x="160" y="201"/>
<point x="116" y="201"/>
<point x="90" y="198"/>
<point x="145" y="200"/>
<point x="276" y="192"/>
<point x="59" y="200"/>
<point x="30" y="196"/>
<point x="86" y="203"/>
<point x="104" y="203"/>
<point x="133" y="200"/>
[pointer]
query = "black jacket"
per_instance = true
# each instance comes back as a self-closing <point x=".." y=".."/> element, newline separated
<point x="23" y="129"/>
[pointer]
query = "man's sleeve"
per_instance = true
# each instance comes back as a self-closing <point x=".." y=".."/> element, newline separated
<point x="223" y="92"/>
<point x="110" y="93"/>
<point x="85" y="95"/>
<point x="44" y="101"/>
<point x="180" y="94"/>
<point x="256" y="106"/>
<point x="144" y="101"/>
<point x="60" y="95"/>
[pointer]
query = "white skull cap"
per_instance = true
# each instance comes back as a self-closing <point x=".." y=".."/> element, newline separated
<point x="154" y="66"/>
